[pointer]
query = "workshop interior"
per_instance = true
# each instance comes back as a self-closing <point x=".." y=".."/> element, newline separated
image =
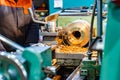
<point x="75" y="43"/>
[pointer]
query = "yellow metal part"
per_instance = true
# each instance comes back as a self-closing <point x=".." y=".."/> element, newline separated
<point x="78" y="32"/>
<point x="75" y="34"/>
<point x="52" y="18"/>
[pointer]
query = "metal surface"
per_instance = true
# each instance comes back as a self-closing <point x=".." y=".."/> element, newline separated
<point x="89" y="69"/>
<point x="92" y="22"/>
<point x="50" y="21"/>
<point x="68" y="62"/>
<point x="32" y="16"/>
<point x="91" y="30"/>
<point x="74" y="14"/>
<point x="37" y="57"/>
<point x="75" y="75"/>
<point x="99" y="18"/>
<point x="48" y="38"/>
<point x="111" y="59"/>
<point x="37" y="64"/>
<point x="69" y="59"/>
<point x="11" y="43"/>
<point x="48" y="33"/>
<point x="71" y="41"/>
<point x="97" y="44"/>
<point x="99" y="26"/>
<point x="11" y="68"/>
<point x="78" y="32"/>
<point x="69" y="55"/>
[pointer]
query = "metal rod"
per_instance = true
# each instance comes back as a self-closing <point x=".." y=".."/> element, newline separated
<point x="78" y="10"/>
<point x="92" y="22"/>
<point x="100" y="57"/>
<point x="11" y="43"/>
<point x="73" y="14"/>
<point x="91" y="29"/>
<point x="99" y="18"/>
<point x="75" y="74"/>
<point x="34" y="20"/>
<point x="99" y="25"/>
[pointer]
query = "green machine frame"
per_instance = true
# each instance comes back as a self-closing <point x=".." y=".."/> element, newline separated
<point x="34" y="63"/>
<point x="111" y="59"/>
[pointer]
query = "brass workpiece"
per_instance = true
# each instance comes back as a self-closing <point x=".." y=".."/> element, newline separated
<point x="75" y="34"/>
<point x="51" y="18"/>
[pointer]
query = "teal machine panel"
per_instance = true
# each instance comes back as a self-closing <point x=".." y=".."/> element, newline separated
<point x="67" y="4"/>
<point x="111" y="59"/>
<point x="31" y="63"/>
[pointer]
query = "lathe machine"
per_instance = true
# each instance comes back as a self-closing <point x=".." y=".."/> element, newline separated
<point x="34" y="62"/>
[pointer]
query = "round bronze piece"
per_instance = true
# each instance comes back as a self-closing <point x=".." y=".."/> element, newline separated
<point x="78" y="32"/>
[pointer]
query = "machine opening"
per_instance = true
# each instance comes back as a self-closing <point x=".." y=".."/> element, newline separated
<point x="77" y="34"/>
